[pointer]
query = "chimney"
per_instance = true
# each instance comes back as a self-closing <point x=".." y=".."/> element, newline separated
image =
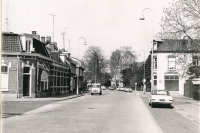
<point x="34" y="32"/>
<point x="55" y="43"/>
<point x="48" y="39"/>
<point x="43" y="39"/>
<point x="52" y="46"/>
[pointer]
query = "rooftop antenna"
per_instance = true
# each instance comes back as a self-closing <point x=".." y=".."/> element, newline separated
<point x="53" y="25"/>
<point x="63" y="34"/>
<point x="7" y="16"/>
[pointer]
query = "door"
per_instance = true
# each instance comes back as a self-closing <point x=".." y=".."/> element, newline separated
<point x="26" y="85"/>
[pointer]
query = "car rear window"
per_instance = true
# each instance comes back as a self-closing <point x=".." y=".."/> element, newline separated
<point x="96" y="86"/>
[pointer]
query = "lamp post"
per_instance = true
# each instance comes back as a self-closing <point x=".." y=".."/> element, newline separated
<point x="142" y="18"/>
<point x="144" y="80"/>
<point x="69" y="45"/>
<point x="135" y="86"/>
<point x="77" y="91"/>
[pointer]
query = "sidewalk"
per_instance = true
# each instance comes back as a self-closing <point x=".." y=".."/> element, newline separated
<point x="185" y="106"/>
<point x="19" y="106"/>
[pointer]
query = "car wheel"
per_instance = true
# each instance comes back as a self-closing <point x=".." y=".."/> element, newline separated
<point x="149" y="104"/>
<point x="152" y="105"/>
<point x="91" y="93"/>
<point x="100" y="93"/>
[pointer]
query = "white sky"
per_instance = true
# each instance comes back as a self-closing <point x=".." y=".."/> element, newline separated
<point x="109" y="24"/>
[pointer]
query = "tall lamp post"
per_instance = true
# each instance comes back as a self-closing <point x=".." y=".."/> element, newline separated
<point x="77" y="91"/>
<point x="144" y="80"/>
<point x="142" y="18"/>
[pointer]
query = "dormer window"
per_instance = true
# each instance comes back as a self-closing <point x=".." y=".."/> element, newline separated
<point x="28" y="46"/>
<point x="155" y="46"/>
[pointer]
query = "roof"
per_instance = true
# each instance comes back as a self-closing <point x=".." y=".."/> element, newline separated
<point x="177" y="45"/>
<point x="10" y="42"/>
<point x="40" y="47"/>
<point x="196" y="82"/>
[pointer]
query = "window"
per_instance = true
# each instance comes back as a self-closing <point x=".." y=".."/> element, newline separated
<point x="171" y="63"/>
<point x="28" y="46"/>
<point x="171" y="77"/>
<point x="26" y="69"/>
<point x="155" y="80"/>
<point x="154" y="62"/>
<point x="196" y="62"/>
<point x="4" y="69"/>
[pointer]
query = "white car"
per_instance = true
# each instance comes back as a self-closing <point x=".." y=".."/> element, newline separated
<point x="160" y="97"/>
<point x="127" y="90"/>
<point x="103" y="87"/>
<point x="122" y="89"/>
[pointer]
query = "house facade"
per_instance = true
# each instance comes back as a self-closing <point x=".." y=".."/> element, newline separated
<point x="168" y="69"/>
<point x="33" y="68"/>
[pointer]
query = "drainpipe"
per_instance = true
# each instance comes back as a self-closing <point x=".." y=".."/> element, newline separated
<point x="18" y="73"/>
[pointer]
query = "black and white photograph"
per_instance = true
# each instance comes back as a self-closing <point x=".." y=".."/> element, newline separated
<point x="100" y="66"/>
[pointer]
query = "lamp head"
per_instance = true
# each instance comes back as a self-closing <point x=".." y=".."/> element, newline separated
<point x="84" y="43"/>
<point x="142" y="17"/>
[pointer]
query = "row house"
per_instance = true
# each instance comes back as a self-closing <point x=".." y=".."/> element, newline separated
<point x="32" y="68"/>
<point x="168" y="71"/>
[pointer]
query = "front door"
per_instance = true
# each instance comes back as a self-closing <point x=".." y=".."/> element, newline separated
<point x="26" y="85"/>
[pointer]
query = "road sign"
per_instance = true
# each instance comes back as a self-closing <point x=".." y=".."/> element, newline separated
<point x="144" y="80"/>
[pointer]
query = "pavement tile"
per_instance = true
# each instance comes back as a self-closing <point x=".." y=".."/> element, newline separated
<point x="13" y="107"/>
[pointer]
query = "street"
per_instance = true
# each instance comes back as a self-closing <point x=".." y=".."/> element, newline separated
<point x="111" y="112"/>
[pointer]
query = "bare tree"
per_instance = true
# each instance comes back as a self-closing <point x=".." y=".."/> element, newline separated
<point x="182" y="18"/>
<point x="94" y="62"/>
<point x="121" y="59"/>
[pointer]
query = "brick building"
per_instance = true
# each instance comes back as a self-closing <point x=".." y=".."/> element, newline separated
<point x="33" y="68"/>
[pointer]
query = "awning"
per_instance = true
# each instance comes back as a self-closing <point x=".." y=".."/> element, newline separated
<point x="196" y="82"/>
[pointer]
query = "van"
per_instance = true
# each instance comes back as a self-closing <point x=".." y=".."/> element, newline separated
<point x="96" y="89"/>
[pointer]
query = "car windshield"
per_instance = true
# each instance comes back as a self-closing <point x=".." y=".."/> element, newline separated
<point x="159" y="92"/>
<point x="96" y="86"/>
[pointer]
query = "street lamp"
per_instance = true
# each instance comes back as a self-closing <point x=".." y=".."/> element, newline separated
<point x="135" y="86"/>
<point x="77" y="91"/>
<point x="144" y="80"/>
<point x="142" y="18"/>
<point x="83" y="44"/>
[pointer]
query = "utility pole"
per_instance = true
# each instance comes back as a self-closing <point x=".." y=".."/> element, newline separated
<point x="53" y="25"/>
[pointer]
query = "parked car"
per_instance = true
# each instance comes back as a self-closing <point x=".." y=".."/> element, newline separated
<point x="127" y="90"/>
<point x="103" y="87"/>
<point x="122" y="89"/>
<point x="157" y="97"/>
<point x="112" y="88"/>
<point x="96" y="89"/>
<point x="118" y="89"/>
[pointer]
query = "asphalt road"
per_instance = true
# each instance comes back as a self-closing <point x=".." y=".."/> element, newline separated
<point x="111" y="112"/>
